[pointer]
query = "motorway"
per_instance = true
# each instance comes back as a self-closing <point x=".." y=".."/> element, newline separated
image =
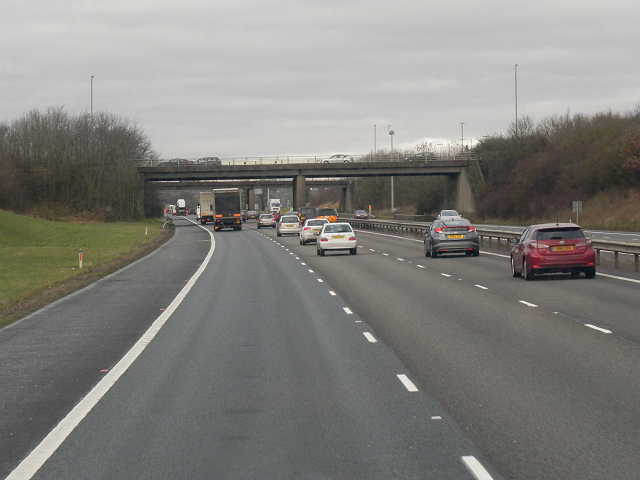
<point x="264" y="360"/>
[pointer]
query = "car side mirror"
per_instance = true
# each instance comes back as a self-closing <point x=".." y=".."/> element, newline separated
<point x="513" y="241"/>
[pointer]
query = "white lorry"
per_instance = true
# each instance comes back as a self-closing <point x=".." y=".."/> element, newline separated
<point x="206" y="207"/>
<point x="181" y="207"/>
<point x="275" y="205"/>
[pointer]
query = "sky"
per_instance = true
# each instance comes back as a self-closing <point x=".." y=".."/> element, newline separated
<point x="251" y="78"/>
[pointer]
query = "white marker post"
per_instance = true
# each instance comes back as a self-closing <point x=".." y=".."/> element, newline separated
<point x="80" y="257"/>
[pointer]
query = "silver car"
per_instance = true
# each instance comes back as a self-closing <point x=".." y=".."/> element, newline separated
<point x="337" y="236"/>
<point x="311" y="229"/>
<point x="288" y="225"/>
<point x="451" y="236"/>
<point x="266" y="220"/>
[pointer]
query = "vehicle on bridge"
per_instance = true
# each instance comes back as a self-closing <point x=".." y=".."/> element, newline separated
<point x="421" y="157"/>
<point x="338" y="158"/>
<point x="227" y="207"/>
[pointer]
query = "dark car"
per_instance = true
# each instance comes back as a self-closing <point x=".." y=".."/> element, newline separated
<point x="360" y="214"/>
<point x="252" y="214"/>
<point x="306" y="213"/>
<point x="421" y="157"/>
<point x="553" y="248"/>
<point x="451" y="236"/>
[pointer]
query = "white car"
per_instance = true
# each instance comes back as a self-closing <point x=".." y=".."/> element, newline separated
<point x="449" y="215"/>
<point x="337" y="236"/>
<point x="288" y="224"/>
<point x="311" y="229"/>
<point x="338" y="158"/>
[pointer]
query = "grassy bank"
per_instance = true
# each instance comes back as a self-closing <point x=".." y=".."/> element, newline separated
<point x="39" y="259"/>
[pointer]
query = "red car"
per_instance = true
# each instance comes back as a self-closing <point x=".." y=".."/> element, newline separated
<point x="553" y="248"/>
<point x="360" y="214"/>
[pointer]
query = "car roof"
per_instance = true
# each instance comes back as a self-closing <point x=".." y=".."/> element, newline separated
<point x="543" y="226"/>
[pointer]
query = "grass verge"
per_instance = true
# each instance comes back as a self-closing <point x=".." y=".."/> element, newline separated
<point x="40" y="258"/>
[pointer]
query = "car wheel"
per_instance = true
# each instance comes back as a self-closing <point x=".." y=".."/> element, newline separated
<point x="434" y="254"/>
<point x="527" y="274"/>
<point x="513" y="269"/>
<point x="278" y="234"/>
<point x="322" y="252"/>
<point x="476" y="253"/>
<point x="590" y="272"/>
<point x="354" y="251"/>
<point x="318" y="251"/>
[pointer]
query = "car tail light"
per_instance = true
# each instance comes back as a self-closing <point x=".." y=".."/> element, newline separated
<point x="351" y="239"/>
<point x="324" y="239"/>
<point x="439" y="230"/>
<point x="539" y="245"/>
<point x="306" y="228"/>
<point x="472" y="229"/>
<point x="585" y="243"/>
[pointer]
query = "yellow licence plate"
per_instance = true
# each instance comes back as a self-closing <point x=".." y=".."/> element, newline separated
<point x="456" y="236"/>
<point x="568" y="248"/>
<point x="338" y="236"/>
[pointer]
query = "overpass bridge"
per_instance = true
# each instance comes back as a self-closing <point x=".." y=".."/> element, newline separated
<point x="298" y="175"/>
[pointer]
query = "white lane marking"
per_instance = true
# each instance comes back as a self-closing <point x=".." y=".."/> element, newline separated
<point x="420" y="266"/>
<point x="310" y="271"/>
<point x="528" y="304"/>
<point x="302" y="263"/>
<point x="32" y="463"/>
<point x="385" y="254"/>
<point x="370" y="337"/>
<point x="400" y="259"/>
<point x="332" y="293"/>
<point x="347" y="311"/>
<point x="483" y="288"/>
<point x="445" y="274"/>
<point x="618" y="278"/>
<point x="603" y="330"/>
<point x="475" y="468"/>
<point x="371" y="250"/>
<point x="320" y="280"/>
<point x="408" y="383"/>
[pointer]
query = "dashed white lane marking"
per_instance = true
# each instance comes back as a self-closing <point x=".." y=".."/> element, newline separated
<point x="310" y="271"/>
<point x="332" y="293"/>
<point x="475" y="468"/>
<point x="603" y="330"/>
<point x="407" y="383"/>
<point x="400" y="259"/>
<point x="320" y="280"/>
<point x="482" y="287"/>
<point x="370" y="337"/>
<point x="347" y="311"/>
<point x="421" y="266"/>
<point x="385" y="254"/>
<point x="528" y="304"/>
<point x="445" y="274"/>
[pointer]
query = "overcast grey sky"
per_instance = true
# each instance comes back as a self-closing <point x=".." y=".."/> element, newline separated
<point x="300" y="77"/>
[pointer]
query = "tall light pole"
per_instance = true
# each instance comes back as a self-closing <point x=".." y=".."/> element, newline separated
<point x="393" y="207"/>
<point x="375" y="148"/>
<point x="462" y="137"/>
<point x="516" y="90"/>
<point x="92" y="97"/>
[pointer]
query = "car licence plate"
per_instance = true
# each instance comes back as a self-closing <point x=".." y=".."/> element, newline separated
<point x="456" y="236"/>
<point x="567" y="248"/>
<point x="338" y="236"/>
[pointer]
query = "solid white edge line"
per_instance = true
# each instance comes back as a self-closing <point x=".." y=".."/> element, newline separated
<point x="475" y="468"/>
<point x="409" y="385"/>
<point x="47" y="447"/>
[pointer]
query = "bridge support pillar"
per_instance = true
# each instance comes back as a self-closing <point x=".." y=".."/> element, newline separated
<point x="251" y="199"/>
<point x="299" y="192"/>
<point x="458" y="193"/>
<point x="345" y="200"/>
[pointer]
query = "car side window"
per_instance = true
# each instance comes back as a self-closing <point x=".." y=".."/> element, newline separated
<point x="525" y="235"/>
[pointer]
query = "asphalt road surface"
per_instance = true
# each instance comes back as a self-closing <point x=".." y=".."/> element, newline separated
<point x="277" y="363"/>
<point x="221" y="356"/>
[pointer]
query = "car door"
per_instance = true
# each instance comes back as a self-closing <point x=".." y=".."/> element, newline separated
<point x="518" y="248"/>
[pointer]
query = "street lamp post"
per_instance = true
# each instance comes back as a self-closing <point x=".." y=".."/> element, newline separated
<point x="92" y="97"/>
<point x="516" y="92"/>
<point x="393" y="208"/>
<point x="462" y="137"/>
